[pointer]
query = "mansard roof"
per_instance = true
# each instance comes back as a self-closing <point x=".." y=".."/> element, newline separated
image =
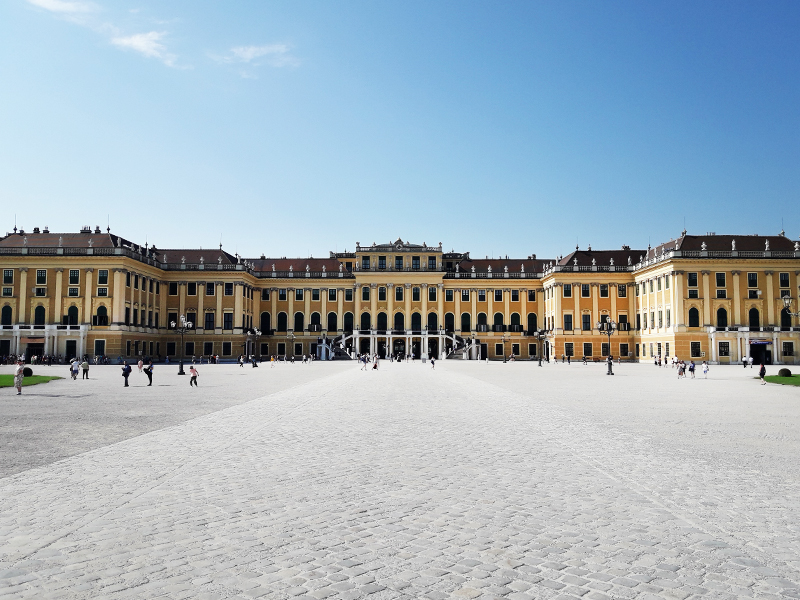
<point x="194" y="256"/>
<point x="585" y="258"/>
<point x="298" y="265"/>
<point x="724" y="243"/>
<point x="85" y="239"/>
<point x="498" y="265"/>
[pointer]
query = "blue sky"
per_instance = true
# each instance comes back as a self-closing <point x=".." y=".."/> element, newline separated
<point x="295" y="128"/>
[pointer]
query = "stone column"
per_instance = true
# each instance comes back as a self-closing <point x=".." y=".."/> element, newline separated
<point x="201" y="315"/>
<point x="58" y="308"/>
<point x="273" y="307"/>
<point x="473" y="309"/>
<point x="737" y="299"/>
<point x="218" y="292"/>
<point x="595" y="291"/>
<point x="506" y="306"/>
<point x="578" y="318"/>
<point x="357" y="291"/>
<point x="307" y="307"/>
<point x="457" y="324"/>
<point x="87" y="306"/>
<point x="407" y="293"/>
<point x="706" y="299"/>
<point x="340" y="308"/>
<point x="182" y="299"/>
<point x="523" y="307"/>
<point x="424" y="293"/>
<point x="118" y="301"/>
<point x="390" y="305"/>
<point x="373" y="306"/>
<point x="440" y="308"/>
<point x="290" y="317"/>
<point x="324" y="310"/>
<point x="770" y="301"/>
<point x="490" y="308"/>
<point x="22" y="311"/>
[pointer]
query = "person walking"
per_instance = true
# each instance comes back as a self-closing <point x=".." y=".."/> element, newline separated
<point x="762" y="372"/>
<point x="140" y="364"/>
<point x="19" y="375"/>
<point x="705" y="370"/>
<point x="194" y="375"/>
<point x="691" y="369"/>
<point x="149" y="372"/>
<point x="433" y="363"/>
<point x="85" y="368"/>
<point x="74" y="366"/>
<point x="750" y="360"/>
<point x="126" y="371"/>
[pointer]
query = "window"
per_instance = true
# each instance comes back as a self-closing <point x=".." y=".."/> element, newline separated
<point x="724" y="348"/>
<point x="382" y="294"/>
<point x="604" y="349"/>
<point x="658" y="284"/>
<point x="498" y="350"/>
<point x="209" y="323"/>
<point x="128" y="283"/>
<point x="498" y="295"/>
<point x="398" y="293"/>
<point x="788" y="348"/>
<point x="584" y="290"/>
<point x="567" y="290"/>
<point x="448" y="295"/>
<point x="73" y="292"/>
<point x="532" y="294"/>
<point x="515" y="295"/>
<point x="465" y="295"/>
<point x="415" y="294"/>
<point x="603" y="290"/>
<point x="136" y="282"/>
<point x="158" y="291"/>
<point x="622" y="290"/>
<point x="382" y="262"/>
<point x="365" y="294"/>
<point x="173" y="288"/>
<point x="208" y="348"/>
<point x="41" y="277"/>
<point x="8" y="291"/>
<point x="348" y="295"/>
<point x="298" y="348"/>
<point x="569" y="349"/>
<point x="638" y="321"/>
<point x="652" y="320"/>
<point x="666" y="351"/>
<point x="651" y="286"/>
<point x="587" y="349"/>
<point x="567" y="322"/>
<point x="314" y="295"/>
<point x="229" y="289"/>
<point x="668" y="318"/>
<point x="431" y="263"/>
<point x="102" y="277"/>
<point x="515" y="349"/>
<point x="637" y="289"/>
<point x="481" y="295"/>
<point x="189" y="349"/>
<point x="227" y="321"/>
<point x="170" y="348"/>
<point x="752" y="280"/>
<point x="415" y="263"/>
<point x="365" y="263"/>
<point x="226" y="349"/>
<point x="41" y="292"/>
<point x="587" y="322"/>
<point x="431" y="293"/>
<point x="398" y="263"/>
<point x="660" y="319"/>
<point x="694" y="293"/>
<point x="102" y="292"/>
<point x="694" y="317"/>
<point x="720" y="279"/>
<point x="151" y="291"/>
<point x="191" y="288"/>
<point x="298" y="294"/>
<point x="74" y="276"/>
<point x="282" y="294"/>
<point x="784" y="280"/>
<point x="752" y="294"/>
<point x="135" y="316"/>
<point x="754" y="318"/>
<point x="695" y="349"/>
<point x="637" y="350"/>
<point x="692" y="279"/>
<point x="281" y="349"/>
<point x="331" y="294"/>
<point x="623" y="350"/>
<point x="532" y="349"/>
<point x="721" y="293"/>
<point x="8" y="276"/>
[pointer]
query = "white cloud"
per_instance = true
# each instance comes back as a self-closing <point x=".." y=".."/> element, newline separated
<point x="274" y="55"/>
<point x="148" y="44"/>
<point x="63" y="6"/>
<point x="250" y="53"/>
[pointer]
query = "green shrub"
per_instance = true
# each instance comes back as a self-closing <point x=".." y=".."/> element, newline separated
<point x="784" y="373"/>
<point x="27" y="372"/>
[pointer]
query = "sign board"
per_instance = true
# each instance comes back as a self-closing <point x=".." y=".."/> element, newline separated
<point x="760" y="342"/>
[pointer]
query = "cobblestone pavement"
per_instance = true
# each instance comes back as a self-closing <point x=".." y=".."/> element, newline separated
<point x="413" y="483"/>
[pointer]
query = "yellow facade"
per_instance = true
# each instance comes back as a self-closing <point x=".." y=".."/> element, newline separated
<point x="94" y="293"/>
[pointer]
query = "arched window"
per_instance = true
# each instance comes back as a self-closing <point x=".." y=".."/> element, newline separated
<point x="722" y="317"/>
<point x="283" y="321"/>
<point x="694" y="317"/>
<point x="399" y="321"/>
<point x="102" y="316"/>
<point x="72" y="315"/>
<point x="348" y="321"/>
<point x="366" y="322"/>
<point x="498" y="318"/>
<point x="755" y="320"/>
<point x="316" y="319"/>
<point x="266" y="322"/>
<point x="786" y="318"/>
<point x="332" y="324"/>
<point x="383" y="321"/>
<point x="38" y="315"/>
<point x="416" y="321"/>
<point x="449" y="322"/>
<point x="515" y="319"/>
<point x="466" y="322"/>
<point x="481" y="318"/>
<point x="299" y="321"/>
<point x="433" y="321"/>
<point x="6" y="318"/>
<point x="532" y="325"/>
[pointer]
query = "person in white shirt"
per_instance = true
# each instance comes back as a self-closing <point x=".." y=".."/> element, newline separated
<point x="19" y="375"/>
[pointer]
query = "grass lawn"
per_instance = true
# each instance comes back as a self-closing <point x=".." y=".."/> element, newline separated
<point x="793" y="380"/>
<point x="8" y="380"/>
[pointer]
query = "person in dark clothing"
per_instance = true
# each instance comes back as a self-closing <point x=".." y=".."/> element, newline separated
<point x="148" y="370"/>
<point x="126" y="371"/>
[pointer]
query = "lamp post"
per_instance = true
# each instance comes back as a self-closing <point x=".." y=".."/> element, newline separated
<point x="787" y="305"/>
<point x="184" y="327"/>
<point x="608" y="328"/>
<point x="254" y="333"/>
<point x="505" y="337"/>
<point x="291" y="341"/>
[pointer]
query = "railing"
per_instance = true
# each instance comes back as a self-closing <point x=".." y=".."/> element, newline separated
<point x="673" y="254"/>
<point x="490" y="275"/>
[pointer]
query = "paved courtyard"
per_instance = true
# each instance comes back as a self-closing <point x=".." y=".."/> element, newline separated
<point x="471" y="481"/>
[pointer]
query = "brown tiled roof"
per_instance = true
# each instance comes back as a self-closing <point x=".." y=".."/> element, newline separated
<point x="54" y="240"/>
<point x="193" y="256"/>
<point x="621" y="258"/>
<point x="532" y="265"/>
<point x="716" y="243"/>
<point x="298" y="264"/>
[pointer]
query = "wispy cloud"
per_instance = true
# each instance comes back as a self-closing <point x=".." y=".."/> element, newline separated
<point x="149" y="44"/>
<point x="84" y="13"/>
<point x="273" y="55"/>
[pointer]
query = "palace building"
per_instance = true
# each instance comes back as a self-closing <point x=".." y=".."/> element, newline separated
<point x="702" y="297"/>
